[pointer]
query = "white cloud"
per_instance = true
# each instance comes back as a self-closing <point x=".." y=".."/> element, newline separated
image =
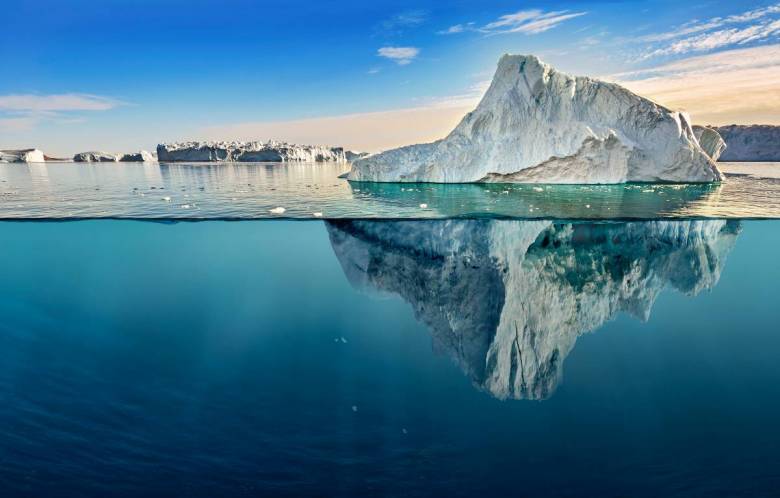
<point x="399" y="55"/>
<point x="458" y="28"/>
<point x="718" y="32"/>
<point x="732" y="86"/>
<point x="56" y="103"/>
<point x="529" y="22"/>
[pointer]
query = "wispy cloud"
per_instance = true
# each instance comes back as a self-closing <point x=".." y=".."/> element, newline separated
<point x="399" y="23"/>
<point x="58" y="102"/>
<point x="458" y="28"/>
<point x="24" y="123"/>
<point x="400" y="55"/>
<point x="718" y="32"/>
<point x="21" y="112"/>
<point x="529" y="22"/>
<point x="738" y="85"/>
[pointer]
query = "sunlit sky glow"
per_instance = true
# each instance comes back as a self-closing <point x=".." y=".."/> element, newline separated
<point x="124" y="75"/>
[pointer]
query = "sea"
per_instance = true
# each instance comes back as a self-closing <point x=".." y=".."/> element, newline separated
<point x="274" y="330"/>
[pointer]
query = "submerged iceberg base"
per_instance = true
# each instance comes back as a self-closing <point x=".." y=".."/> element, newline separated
<point x="508" y="299"/>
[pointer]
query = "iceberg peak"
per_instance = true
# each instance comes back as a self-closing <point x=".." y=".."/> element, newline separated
<point x="538" y="125"/>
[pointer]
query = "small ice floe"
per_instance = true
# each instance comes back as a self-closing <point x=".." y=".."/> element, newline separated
<point x="317" y="214"/>
<point x="538" y="189"/>
<point x="354" y="408"/>
<point x="423" y="206"/>
<point x="343" y="340"/>
<point x="166" y="199"/>
<point x="404" y="431"/>
<point x="278" y="210"/>
<point x="587" y="206"/>
<point x="185" y="206"/>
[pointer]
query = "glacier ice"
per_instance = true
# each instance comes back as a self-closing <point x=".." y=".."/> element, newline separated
<point x="21" y="156"/>
<point x="538" y="125"/>
<point x="137" y="157"/>
<point x="710" y="140"/>
<point x="750" y="143"/>
<point x="508" y="299"/>
<point x="270" y="151"/>
<point x="95" y="157"/>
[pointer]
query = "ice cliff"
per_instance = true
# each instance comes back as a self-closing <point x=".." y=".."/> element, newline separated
<point x="538" y="125"/>
<point x="21" y="156"/>
<point x="137" y="157"/>
<point x="710" y="140"/>
<point x="508" y="299"/>
<point x="750" y="143"/>
<point x="248" y="152"/>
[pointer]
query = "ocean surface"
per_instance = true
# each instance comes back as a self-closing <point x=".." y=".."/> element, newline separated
<point x="306" y="191"/>
<point x="469" y="354"/>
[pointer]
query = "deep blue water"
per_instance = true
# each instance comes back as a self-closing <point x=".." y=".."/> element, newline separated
<point x="361" y="358"/>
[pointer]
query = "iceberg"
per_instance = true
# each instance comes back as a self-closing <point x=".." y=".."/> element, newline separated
<point x="21" y="156"/>
<point x="507" y="300"/>
<point x="271" y="151"/>
<point x="538" y="125"/>
<point x="750" y="143"/>
<point x="137" y="157"/>
<point x="95" y="157"/>
<point x="710" y="140"/>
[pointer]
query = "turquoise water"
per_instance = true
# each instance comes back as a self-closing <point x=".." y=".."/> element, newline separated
<point x="358" y="357"/>
<point x="306" y="191"/>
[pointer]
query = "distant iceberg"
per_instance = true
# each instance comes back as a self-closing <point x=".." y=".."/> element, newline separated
<point x="95" y="157"/>
<point x="538" y="125"/>
<point x="750" y="143"/>
<point x="21" y="156"/>
<point x="508" y="299"/>
<point x="137" y="157"/>
<point x="271" y="151"/>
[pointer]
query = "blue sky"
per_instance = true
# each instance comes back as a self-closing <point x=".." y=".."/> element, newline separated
<point x="120" y="75"/>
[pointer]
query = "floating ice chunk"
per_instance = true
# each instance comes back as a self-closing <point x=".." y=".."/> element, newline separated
<point x="166" y="199"/>
<point x="343" y="340"/>
<point x="354" y="408"/>
<point x="278" y="210"/>
<point x="423" y="206"/>
<point x="317" y="214"/>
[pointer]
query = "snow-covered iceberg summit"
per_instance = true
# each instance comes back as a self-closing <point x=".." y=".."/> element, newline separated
<point x="271" y="151"/>
<point x="21" y="156"/>
<point x="508" y="299"/>
<point x="538" y="125"/>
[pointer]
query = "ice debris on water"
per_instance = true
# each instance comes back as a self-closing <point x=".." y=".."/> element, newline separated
<point x="278" y="210"/>
<point x="423" y="206"/>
